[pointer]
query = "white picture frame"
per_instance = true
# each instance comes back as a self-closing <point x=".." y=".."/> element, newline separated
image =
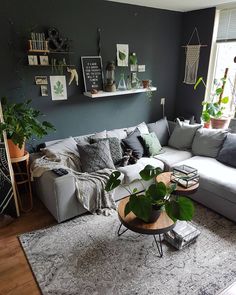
<point x="122" y="54"/>
<point x="33" y="60"/>
<point x="44" y="90"/>
<point x="43" y="59"/>
<point x="41" y="80"/>
<point x="58" y="87"/>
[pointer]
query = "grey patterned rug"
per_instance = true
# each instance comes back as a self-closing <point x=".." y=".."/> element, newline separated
<point x="84" y="256"/>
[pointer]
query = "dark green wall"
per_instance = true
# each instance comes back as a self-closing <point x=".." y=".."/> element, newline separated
<point x="188" y="101"/>
<point x="155" y="35"/>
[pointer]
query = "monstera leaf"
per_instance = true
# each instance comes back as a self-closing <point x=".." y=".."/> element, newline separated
<point x="149" y="172"/>
<point x="181" y="208"/>
<point x="113" y="181"/>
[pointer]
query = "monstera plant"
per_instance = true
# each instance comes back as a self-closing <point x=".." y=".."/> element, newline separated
<point x="147" y="205"/>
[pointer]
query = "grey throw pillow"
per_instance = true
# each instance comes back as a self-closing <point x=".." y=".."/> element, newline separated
<point x="96" y="156"/>
<point x="182" y="136"/>
<point x="115" y="148"/>
<point x="161" y="129"/>
<point x="227" y="154"/>
<point x="132" y="142"/>
<point x="208" y="142"/>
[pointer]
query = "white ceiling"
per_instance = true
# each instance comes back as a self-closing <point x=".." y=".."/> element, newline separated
<point x="179" y="5"/>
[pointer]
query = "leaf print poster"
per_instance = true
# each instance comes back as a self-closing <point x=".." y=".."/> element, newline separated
<point x="122" y="55"/>
<point x="58" y="87"/>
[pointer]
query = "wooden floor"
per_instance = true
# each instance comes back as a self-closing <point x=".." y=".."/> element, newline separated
<point x="16" y="277"/>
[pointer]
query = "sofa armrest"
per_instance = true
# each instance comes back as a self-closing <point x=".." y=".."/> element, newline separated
<point x="59" y="195"/>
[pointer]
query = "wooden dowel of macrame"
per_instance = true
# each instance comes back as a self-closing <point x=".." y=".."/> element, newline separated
<point x="10" y="166"/>
<point x="223" y="85"/>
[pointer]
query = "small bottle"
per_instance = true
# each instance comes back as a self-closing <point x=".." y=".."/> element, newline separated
<point x="128" y="83"/>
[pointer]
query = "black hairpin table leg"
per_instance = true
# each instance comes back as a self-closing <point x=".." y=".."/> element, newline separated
<point x="121" y="233"/>
<point x="159" y="248"/>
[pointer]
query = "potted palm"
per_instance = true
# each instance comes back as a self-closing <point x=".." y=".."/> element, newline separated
<point x="148" y="204"/>
<point x="21" y="123"/>
<point x="213" y="110"/>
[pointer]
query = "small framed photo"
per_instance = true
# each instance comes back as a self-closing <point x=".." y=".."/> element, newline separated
<point x="41" y="80"/>
<point x="43" y="60"/>
<point x="44" y="90"/>
<point x="33" y="60"/>
<point x="141" y="68"/>
<point x="133" y="68"/>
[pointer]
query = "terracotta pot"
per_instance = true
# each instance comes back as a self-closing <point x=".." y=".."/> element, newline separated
<point x="145" y="83"/>
<point x="207" y="125"/>
<point x="14" y="150"/>
<point x="155" y="214"/>
<point x="221" y="123"/>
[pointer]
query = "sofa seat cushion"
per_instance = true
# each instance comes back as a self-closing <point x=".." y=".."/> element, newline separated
<point x="131" y="172"/>
<point x="215" y="177"/>
<point x="171" y="156"/>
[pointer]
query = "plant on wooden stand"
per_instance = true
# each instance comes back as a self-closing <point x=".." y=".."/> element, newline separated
<point x="213" y="110"/>
<point x="21" y="123"/>
<point x="147" y="205"/>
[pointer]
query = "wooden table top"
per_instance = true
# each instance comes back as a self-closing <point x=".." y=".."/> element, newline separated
<point x="162" y="225"/>
<point x="180" y="190"/>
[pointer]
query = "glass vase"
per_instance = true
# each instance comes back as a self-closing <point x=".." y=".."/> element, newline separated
<point x="122" y="84"/>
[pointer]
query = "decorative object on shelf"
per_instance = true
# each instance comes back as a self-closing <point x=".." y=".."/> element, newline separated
<point x="135" y="82"/>
<point x="183" y="234"/>
<point x="73" y="75"/>
<point x="38" y="43"/>
<point x="58" y="87"/>
<point x="8" y="197"/>
<point x="213" y="109"/>
<point x="133" y="60"/>
<point x="128" y="83"/>
<point x="20" y="124"/>
<point x="122" y="85"/>
<point x="56" y="42"/>
<point x="192" y="59"/>
<point x="122" y="55"/>
<point x="44" y="90"/>
<point x="92" y="72"/>
<point x="147" y="205"/>
<point x="185" y="176"/>
<point x="32" y="60"/>
<point x="99" y="42"/>
<point x="110" y="85"/>
<point x="146" y="83"/>
<point x="41" y="80"/>
<point x="43" y="60"/>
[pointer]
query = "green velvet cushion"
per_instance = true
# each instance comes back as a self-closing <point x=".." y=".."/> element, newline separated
<point x="152" y="144"/>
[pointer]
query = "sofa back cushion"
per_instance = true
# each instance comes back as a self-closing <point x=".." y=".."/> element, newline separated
<point x="208" y="142"/>
<point x="161" y="129"/>
<point x="227" y="154"/>
<point x="96" y="156"/>
<point x="182" y="136"/>
<point x="118" y="133"/>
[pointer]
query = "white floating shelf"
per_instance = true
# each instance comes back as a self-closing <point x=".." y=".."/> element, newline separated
<point x="118" y="92"/>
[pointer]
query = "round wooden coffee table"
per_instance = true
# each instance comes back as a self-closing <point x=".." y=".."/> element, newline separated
<point x="180" y="190"/>
<point x="163" y="224"/>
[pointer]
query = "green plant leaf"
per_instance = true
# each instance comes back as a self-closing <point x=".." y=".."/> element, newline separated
<point x="122" y="55"/>
<point x="180" y="208"/>
<point x="218" y="91"/>
<point x="113" y="181"/>
<point x="149" y="172"/>
<point x="127" y="209"/>
<point x="225" y="100"/>
<point x="200" y="79"/>
<point x="141" y="206"/>
<point x="206" y="117"/>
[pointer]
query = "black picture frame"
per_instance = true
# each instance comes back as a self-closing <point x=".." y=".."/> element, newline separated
<point x="92" y="72"/>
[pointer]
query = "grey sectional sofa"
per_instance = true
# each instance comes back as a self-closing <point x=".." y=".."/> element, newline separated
<point x="217" y="181"/>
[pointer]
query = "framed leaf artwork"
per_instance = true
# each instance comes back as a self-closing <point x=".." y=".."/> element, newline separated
<point x="58" y="87"/>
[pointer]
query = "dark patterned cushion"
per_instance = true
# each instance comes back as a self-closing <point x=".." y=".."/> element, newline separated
<point x="115" y="147"/>
<point x="96" y="156"/>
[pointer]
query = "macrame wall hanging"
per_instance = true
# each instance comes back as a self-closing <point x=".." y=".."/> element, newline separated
<point x="192" y="59"/>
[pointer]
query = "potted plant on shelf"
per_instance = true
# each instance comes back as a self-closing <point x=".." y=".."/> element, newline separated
<point x="213" y="110"/>
<point x="148" y="204"/>
<point x="21" y="123"/>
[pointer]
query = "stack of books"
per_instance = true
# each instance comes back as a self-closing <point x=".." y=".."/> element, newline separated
<point x="185" y="176"/>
